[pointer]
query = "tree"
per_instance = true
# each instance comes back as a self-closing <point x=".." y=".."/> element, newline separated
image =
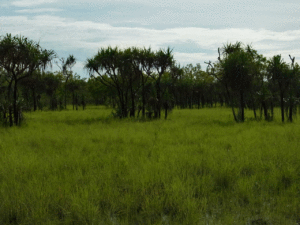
<point x="124" y="71"/>
<point x="294" y="76"/>
<point x="20" y="57"/>
<point x="52" y="82"/>
<point x="66" y="69"/>
<point x="163" y="61"/>
<point x="109" y="65"/>
<point x="77" y="86"/>
<point x="236" y="70"/>
<point x="146" y="60"/>
<point x="280" y="74"/>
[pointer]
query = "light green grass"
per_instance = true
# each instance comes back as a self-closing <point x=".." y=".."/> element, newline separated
<point x="197" y="167"/>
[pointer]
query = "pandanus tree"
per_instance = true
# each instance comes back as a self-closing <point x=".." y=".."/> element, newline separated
<point x="163" y="61"/>
<point x="20" y="57"/>
<point x="293" y="75"/>
<point x="132" y="68"/>
<point x="52" y="84"/>
<point x="66" y="68"/>
<point x="33" y="86"/>
<point x="146" y="59"/>
<point x="237" y="75"/>
<point x="281" y="76"/>
<point x="77" y="87"/>
<point x="109" y="65"/>
<point x="236" y="71"/>
<point x="125" y="70"/>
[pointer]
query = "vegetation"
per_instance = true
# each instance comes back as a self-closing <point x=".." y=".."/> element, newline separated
<point x="117" y="163"/>
<point x="135" y="80"/>
<point x="197" y="167"/>
<point x="19" y="59"/>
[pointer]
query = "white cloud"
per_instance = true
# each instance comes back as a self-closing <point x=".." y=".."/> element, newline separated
<point x="84" y="38"/>
<point x="38" y="10"/>
<point x="28" y="3"/>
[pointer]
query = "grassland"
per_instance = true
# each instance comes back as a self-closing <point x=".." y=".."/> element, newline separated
<point x="197" y="167"/>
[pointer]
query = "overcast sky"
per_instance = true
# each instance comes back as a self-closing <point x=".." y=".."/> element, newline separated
<point x="193" y="29"/>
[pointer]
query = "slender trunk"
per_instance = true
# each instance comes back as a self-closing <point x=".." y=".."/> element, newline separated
<point x="126" y="104"/>
<point x="272" y="110"/>
<point x="221" y="100"/>
<point x="261" y="108"/>
<point x="166" y="112"/>
<point x="4" y="114"/>
<point x="51" y="105"/>
<point x="253" y="105"/>
<point x="66" y="95"/>
<point x="83" y="102"/>
<point x="231" y="103"/>
<point x="291" y="111"/>
<point x="10" y="116"/>
<point x="73" y="100"/>
<point x="16" y="114"/>
<point x="34" y="100"/>
<point x="282" y="106"/>
<point x="202" y="100"/>
<point x="143" y="97"/>
<point x="242" y="106"/>
<point x="76" y="101"/>
<point x="123" y="102"/>
<point x="157" y="113"/>
<point x="9" y="104"/>
<point x="132" y="111"/>
<point x="264" y="106"/>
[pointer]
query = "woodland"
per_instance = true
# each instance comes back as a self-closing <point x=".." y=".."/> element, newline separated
<point x="144" y="140"/>
<point x="140" y="82"/>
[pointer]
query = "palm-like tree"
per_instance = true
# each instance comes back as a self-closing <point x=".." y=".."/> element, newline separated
<point x="280" y="74"/>
<point x="20" y="57"/>
<point x="67" y="71"/>
<point x="163" y="61"/>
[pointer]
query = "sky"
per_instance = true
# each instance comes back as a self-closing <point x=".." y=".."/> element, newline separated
<point x="193" y="29"/>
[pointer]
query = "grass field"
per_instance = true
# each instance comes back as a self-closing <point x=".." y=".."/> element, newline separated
<point x="196" y="167"/>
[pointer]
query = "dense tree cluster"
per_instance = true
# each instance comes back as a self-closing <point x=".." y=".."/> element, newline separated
<point x="140" y="82"/>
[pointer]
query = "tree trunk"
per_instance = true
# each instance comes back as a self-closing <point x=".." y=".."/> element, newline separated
<point x="73" y="100"/>
<point x="291" y="110"/>
<point x="143" y="97"/>
<point x="34" y="99"/>
<point x="253" y="105"/>
<point x="231" y="103"/>
<point x="66" y="95"/>
<point x="242" y="106"/>
<point x="82" y="102"/>
<point x="272" y="109"/>
<point x="157" y="111"/>
<point x="9" y="104"/>
<point x="16" y="113"/>
<point x="10" y="116"/>
<point x="132" y="111"/>
<point x="282" y="106"/>
<point x="76" y="101"/>
<point x="166" y="112"/>
<point x="264" y="106"/>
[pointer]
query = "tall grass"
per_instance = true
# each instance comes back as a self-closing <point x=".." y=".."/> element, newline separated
<point x="197" y="167"/>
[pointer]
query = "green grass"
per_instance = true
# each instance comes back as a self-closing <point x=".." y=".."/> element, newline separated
<point x="197" y="167"/>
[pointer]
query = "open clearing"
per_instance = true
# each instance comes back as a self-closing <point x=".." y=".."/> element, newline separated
<point x="197" y="167"/>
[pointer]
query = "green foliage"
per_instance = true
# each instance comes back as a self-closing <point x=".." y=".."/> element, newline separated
<point x="197" y="167"/>
<point x="20" y="58"/>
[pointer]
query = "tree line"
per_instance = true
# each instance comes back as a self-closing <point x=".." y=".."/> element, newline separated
<point x="140" y="82"/>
